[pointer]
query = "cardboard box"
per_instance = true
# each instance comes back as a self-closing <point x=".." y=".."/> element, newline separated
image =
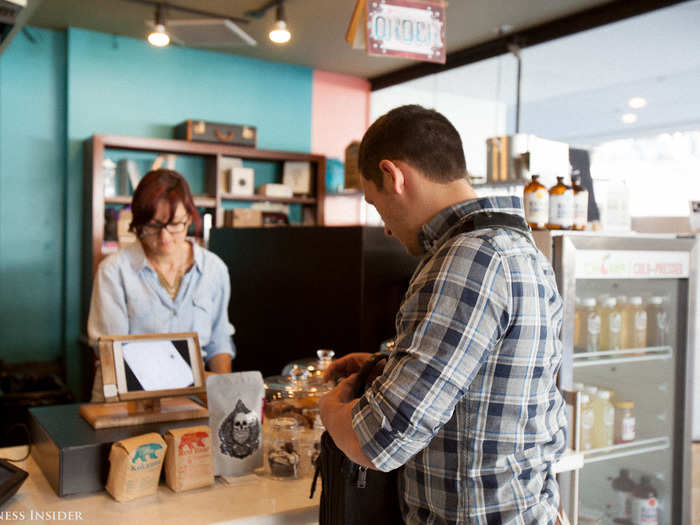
<point x="243" y="218"/>
<point x="275" y="190"/>
<point x="241" y="181"/>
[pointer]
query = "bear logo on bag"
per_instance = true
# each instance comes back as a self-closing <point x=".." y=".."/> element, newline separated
<point x="240" y="432"/>
<point x="193" y="442"/>
<point x="146" y="450"/>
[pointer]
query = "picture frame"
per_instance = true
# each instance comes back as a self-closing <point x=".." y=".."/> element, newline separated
<point x="297" y="175"/>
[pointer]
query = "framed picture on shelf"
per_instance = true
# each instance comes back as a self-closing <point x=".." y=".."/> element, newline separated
<point x="297" y="175"/>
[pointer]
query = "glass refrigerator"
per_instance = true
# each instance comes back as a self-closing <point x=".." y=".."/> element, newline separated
<point x="629" y="329"/>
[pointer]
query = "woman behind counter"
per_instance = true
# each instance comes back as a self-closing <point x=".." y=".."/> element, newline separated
<point x="163" y="283"/>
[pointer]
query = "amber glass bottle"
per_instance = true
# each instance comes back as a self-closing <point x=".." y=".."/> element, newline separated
<point x="580" y="203"/>
<point x="561" y="206"/>
<point x="536" y="204"/>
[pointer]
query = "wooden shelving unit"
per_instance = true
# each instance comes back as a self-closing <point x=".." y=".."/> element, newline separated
<point x="215" y="197"/>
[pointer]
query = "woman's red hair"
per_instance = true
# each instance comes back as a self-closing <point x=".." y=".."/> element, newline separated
<point x="159" y="185"/>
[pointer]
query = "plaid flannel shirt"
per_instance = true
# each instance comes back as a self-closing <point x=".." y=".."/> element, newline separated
<point x="468" y="402"/>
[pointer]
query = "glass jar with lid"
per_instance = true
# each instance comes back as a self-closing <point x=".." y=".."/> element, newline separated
<point x="295" y="396"/>
<point x="283" y="448"/>
<point x="315" y="365"/>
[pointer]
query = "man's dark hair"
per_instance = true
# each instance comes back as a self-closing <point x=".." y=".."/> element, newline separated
<point x="421" y="137"/>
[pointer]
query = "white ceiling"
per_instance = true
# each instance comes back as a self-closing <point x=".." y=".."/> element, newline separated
<point x="576" y="88"/>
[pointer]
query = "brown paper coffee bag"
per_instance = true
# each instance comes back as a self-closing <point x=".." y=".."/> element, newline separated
<point x="189" y="463"/>
<point x="135" y="466"/>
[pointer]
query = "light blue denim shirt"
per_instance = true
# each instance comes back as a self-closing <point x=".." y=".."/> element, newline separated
<point x="127" y="298"/>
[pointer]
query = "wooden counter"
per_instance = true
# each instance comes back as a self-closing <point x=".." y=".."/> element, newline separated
<point x="244" y="500"/>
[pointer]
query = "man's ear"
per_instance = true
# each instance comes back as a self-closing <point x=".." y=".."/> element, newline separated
<point x="393" y="177"/>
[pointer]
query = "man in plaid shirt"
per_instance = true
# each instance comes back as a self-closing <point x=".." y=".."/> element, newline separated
<point x="467" y="403"/>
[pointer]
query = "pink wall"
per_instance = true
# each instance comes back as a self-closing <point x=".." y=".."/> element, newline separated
<point x="339" y="112"/>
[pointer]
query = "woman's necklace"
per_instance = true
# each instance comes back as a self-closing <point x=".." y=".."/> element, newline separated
<point x="172" y="287"/>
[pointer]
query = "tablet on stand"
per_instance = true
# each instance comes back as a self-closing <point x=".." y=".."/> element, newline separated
<point x="147" y="379"/>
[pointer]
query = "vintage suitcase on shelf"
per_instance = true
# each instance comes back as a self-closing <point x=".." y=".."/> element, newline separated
<point x="202" y="131"/>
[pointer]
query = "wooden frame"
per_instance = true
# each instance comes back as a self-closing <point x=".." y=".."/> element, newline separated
<point x="94" y="151"/>
<point x="112" y="363"/>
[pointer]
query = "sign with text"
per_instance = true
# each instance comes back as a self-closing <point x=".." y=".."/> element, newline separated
<point x="402" y="28"/>
<point x="614" y="264"/>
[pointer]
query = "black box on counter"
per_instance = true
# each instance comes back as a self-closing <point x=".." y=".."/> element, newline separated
<point x="73" y="456"/>
<point x="203" y="131"/>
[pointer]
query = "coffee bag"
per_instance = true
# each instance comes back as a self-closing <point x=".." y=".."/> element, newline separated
<point x="235" y="410"/>
<point x="188" y="461"/>
<point x="135" y="465"/>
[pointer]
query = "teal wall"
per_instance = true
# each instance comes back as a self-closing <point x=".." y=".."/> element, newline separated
<point x="110" y="84"/>
<point x="32" y="178"/>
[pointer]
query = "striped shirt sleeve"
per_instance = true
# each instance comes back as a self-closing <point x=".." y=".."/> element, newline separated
<point x="455" y="311"/>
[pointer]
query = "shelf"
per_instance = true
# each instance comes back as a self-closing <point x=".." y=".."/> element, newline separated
<point x="118" y="199"/>
<point x="200" y="201"/>
<point x="264" y="198"/>
<point x="639" y="446"/>
<point x="611" y="357"/>
<point x="201" y="148"/>
<point x="346" y="193"/>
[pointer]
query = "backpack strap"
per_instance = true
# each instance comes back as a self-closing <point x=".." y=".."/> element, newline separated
<point x="494" y="219"/>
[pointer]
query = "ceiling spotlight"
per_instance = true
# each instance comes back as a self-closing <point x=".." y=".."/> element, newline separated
<point x="279" y="33"/>
<point x="637" y="102"/>
<point x="158" y="37"/>
<point x="629" y="118"/>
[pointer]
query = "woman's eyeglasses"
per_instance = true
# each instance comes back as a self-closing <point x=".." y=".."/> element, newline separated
<point x="154" y="228"/>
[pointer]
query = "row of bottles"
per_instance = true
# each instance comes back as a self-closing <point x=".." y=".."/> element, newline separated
<point x="604" y="422"/>
<point x="635" y="503"/>
<point x="561" y="207"/>
<point x="617" y="323"/>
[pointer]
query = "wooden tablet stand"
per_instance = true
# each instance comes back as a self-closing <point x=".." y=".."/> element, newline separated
<point x="124" y="408"/>
<point x="127" y="413"/>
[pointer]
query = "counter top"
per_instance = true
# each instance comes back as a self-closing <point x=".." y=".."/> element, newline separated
<point x="243" y="500"/>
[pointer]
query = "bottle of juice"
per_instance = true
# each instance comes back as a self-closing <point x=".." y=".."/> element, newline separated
<point x="536" y="204"/>
<point x="610" y="324"/>
<point x="623" y="486"/>
<point x="657" y="322"/>
<point x="604" y="419"/>
<point x="590" y="325"/>
<point x="645" y="506"/>
<point x="637" y="324"/>
<point x="580" y="203"/>
<point x="561" y="206"/>
<point x="587" y="421"/>
<point x="625" y="422"/>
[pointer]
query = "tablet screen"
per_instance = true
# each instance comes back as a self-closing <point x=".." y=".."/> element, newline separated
<point x="5" y="474"/>
<point x="157" y="365"/>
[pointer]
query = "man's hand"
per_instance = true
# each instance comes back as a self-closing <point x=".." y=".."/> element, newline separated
<point x="345" y="366"/>
<point x="340" y="395"/>
<point x="336" y="414"/>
